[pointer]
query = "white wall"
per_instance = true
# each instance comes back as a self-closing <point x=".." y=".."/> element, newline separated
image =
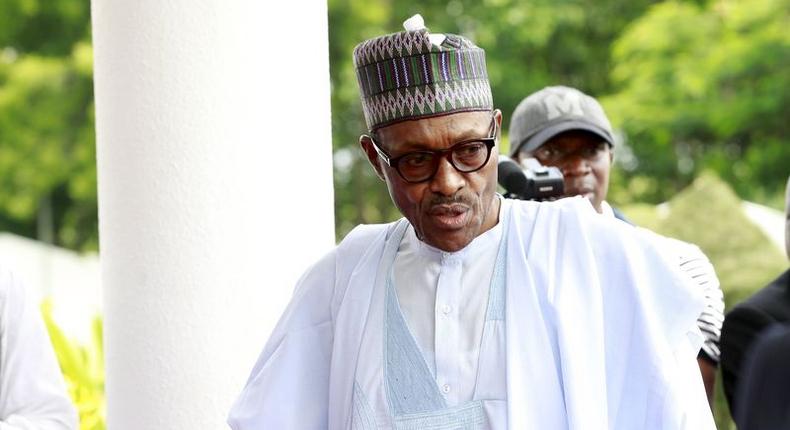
<point x="215" y="193"/>
<point x="69" y="279"/>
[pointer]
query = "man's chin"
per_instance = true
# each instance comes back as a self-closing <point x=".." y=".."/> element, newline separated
<point x="450" y="241"/>
<point x="589" y="195"/>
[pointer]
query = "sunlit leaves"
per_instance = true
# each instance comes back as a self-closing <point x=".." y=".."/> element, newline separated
<point x="47" y="150"/>
<point x="708" y="83"/>
<point x="83" y="370"/>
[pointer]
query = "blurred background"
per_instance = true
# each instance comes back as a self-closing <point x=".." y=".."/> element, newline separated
<point x="698" y="92"/>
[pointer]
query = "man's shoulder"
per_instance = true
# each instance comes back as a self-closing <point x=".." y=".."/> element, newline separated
<point x="364" y="235"/>
<point x="347" y="253"/>
<point x="686" y="250"/>
<point x="11" y="287"/>
<point x="366" y="231"/>
<point x="571" y="215"/>
<point x="532" y="210"/>
<point x="360" y="247"/>
<point x="773" y="299"/>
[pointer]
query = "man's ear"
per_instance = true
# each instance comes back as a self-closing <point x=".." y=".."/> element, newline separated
<point x="373" y="157"/>
<point x="498" y="119"/>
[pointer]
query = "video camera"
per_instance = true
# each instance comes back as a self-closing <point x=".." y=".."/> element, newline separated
<point x="530" y="180"/>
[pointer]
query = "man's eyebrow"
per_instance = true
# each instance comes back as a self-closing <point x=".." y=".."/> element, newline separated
<point x="413" y="145"/>
<point x="475" y="133"/>
<point x="472" y="134"/>
<point x="420" y="145"/>
<point x="404" y="147"/>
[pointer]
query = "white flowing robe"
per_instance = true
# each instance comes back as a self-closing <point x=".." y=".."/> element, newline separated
<point x="600" y="330"/>
<point x="32" y="391"/>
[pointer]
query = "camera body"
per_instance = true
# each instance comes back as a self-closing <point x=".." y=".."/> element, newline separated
<point x="530" y="180"/>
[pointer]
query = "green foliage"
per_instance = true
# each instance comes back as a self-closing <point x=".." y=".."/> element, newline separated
<point x="43" y="26"/>
<point x="706" y="87"/>
<point x="709" y="214"/>
<point x="83" y="369"/>
<point x="47" y="149"/>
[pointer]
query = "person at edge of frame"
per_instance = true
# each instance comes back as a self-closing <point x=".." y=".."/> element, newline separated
<point x="33" y="394"/>
<point x="744" y="326"/>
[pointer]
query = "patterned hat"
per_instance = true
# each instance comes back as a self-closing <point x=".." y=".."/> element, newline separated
<point x="554" y="110"/>
<point x="414" y="74"/>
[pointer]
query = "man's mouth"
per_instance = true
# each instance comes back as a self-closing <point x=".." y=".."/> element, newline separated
<point x="449" y="216"/>
<point x="584" y="191"/>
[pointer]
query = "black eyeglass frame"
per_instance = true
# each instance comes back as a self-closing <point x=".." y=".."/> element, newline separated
<point x="394" y="162"/>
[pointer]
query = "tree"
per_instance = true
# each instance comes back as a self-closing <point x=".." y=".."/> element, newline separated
<point x="47" y="149"/>
<point x="705" y="87"/>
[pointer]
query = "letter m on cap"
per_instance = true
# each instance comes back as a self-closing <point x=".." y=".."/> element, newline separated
<point x="563" y="104"/>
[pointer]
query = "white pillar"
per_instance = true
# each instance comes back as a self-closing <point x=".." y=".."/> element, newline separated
<point x="215" y="193"/>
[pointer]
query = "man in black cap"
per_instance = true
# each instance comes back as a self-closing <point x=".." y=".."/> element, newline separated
<point x="743" y="326"/>
<point x="563" y="127"/>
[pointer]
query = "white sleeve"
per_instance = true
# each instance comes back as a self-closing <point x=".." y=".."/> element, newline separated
<point x="288" y="387"/>
<point x="696" y="265"/>
<point x="32" y="389"/>
<point x="689" y="409"/>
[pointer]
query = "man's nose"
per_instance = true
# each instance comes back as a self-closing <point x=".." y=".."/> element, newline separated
<point x="575" y="165"/>
<point x="447" y="180"/>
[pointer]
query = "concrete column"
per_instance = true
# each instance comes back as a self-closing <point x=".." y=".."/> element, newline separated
<point x="215" y="193"/>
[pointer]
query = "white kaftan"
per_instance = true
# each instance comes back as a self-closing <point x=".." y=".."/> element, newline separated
<point x="599" y="331"/>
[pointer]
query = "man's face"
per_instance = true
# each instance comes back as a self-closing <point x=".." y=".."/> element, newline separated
<point x="451" y="209"/>
<point x="584" y="159"/>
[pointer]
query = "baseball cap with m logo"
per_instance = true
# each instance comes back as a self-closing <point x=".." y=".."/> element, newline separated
<point x="554" y="110"/>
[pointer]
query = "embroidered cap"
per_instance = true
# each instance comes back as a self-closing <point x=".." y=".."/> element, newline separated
<point x="415" y="74"/>
<point x="551" y="111"/>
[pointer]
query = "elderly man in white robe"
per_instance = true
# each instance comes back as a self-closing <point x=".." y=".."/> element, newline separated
<point x="473" y="312"/>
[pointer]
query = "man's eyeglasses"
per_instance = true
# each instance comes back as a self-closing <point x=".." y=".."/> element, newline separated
<point x="419" y="166"/>
<point x="554" y="154"/>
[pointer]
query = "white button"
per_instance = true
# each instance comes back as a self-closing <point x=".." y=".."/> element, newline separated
<point x="446" y="388"/>
<point x="446" y="309"/>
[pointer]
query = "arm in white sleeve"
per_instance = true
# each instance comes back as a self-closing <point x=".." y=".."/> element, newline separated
<point x="699" y="269"/>
<point x="32" y="389"/>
